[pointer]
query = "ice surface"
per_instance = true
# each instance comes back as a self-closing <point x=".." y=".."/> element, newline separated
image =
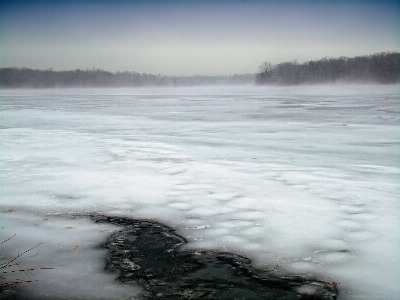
<point x="71" y="248"/>
<point x="302" y="179"/>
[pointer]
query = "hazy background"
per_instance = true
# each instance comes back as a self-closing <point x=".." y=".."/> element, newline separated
<point x="191" y="37"/>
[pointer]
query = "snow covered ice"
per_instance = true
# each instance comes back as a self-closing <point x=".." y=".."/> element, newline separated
<point x="300" y="179"/>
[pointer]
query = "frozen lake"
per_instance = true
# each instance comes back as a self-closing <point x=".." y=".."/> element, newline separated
<point x="304" y="180"/>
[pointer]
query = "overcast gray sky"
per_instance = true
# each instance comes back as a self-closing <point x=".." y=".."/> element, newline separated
<point x="191" y="37"/>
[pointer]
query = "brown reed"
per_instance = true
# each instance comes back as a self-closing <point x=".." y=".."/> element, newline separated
<point x="13" y="266"/>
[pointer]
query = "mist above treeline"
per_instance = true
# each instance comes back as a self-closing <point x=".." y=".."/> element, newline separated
<point x="377" y="68"/>
<point x="34" y="78"/>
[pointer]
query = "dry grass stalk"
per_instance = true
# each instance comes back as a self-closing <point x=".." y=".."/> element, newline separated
<point x="13" y="267"/>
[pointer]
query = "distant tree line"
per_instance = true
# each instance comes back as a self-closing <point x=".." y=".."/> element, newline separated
<point x="377" y="68"/>
<point x="30" y="78"/>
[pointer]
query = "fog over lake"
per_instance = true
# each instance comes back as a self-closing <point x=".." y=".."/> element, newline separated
<point x="303" y="180"/>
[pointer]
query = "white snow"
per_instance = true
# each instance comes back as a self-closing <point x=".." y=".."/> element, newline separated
<point x="302" y="179"/>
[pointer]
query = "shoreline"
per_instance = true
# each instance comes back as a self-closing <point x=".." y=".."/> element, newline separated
<point x="150" y="254"/>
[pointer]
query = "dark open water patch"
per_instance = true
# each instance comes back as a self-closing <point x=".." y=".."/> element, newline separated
<point x="151" y="255"/>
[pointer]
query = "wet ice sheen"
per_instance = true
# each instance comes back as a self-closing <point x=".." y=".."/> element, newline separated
<point x="299" y="179"/>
